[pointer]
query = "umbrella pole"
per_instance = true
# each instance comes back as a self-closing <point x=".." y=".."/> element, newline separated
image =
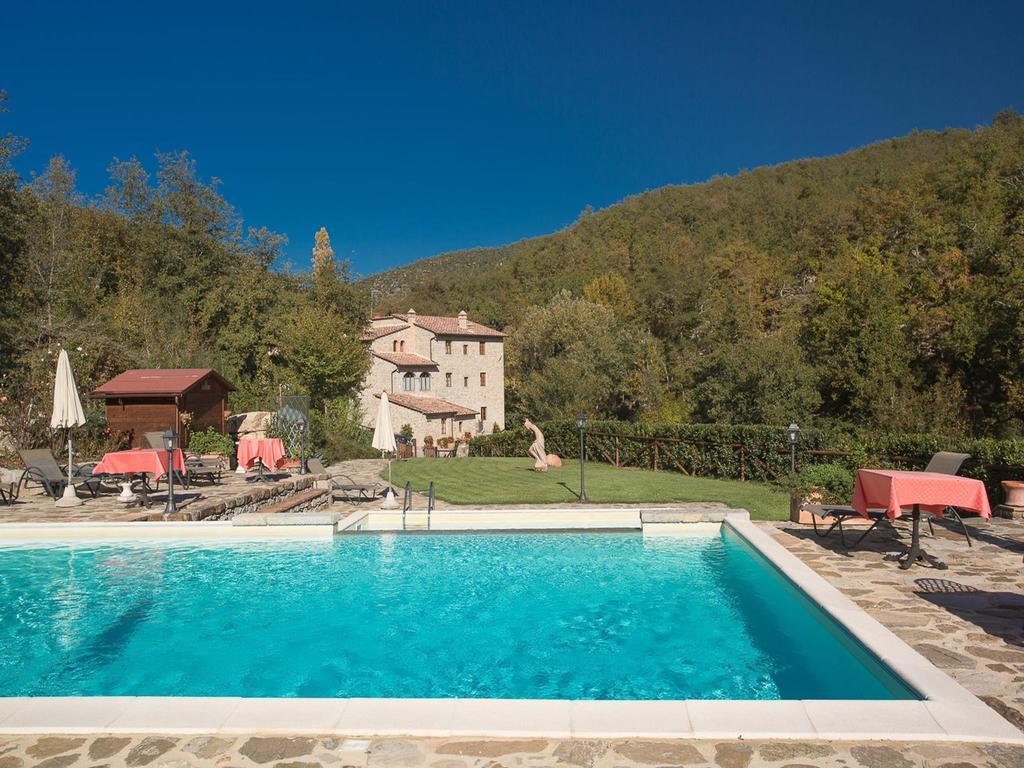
<point x="69" y="497"/>
<point x="389" y="499"/>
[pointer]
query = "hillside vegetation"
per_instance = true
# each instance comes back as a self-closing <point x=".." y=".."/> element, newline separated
<point x="882" y="288"/>
<point x="161" y="272"/>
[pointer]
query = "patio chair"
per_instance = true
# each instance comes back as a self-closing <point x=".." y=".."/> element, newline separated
<point x="942" y="462"/>
<point x="362" y="491"/>
<point x="41" y="467"/>
<point x="197" y="467"/>
<point x="156" y="442"/>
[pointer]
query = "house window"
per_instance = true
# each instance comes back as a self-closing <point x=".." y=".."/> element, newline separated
<point x="465" y="381"/>
<point x="408" y="382"/>
<point x="465" y="349"/>
<point x="447" y="379"/>
<point x="483" y="413"/>
<point x="482" y="344"/>
<point x="394" y="345"/>
<point x="483" y="379"/>
<point x="448" y="347"/>
<point x="401" y="346"/>
<point x="424" y="381"/>
<point x="444" y="426"/>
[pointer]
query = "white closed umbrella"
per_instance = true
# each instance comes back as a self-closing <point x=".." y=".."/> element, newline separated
<point x="384" y="441"/>
<point x="67" y="413"/>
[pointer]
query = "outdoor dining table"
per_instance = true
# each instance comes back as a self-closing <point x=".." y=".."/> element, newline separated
<point x="895" y="490"/>
<point x="138" y="462"/>
<point x="269" y="451"/>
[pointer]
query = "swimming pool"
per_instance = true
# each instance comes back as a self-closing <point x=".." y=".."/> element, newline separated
<point x="491" y="615"/>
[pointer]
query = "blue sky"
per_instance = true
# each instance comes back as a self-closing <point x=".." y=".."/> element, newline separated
<point x="412" y="129"/>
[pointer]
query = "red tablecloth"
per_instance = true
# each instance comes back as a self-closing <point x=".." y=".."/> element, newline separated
<point x="151" y="461"/>
<point x="269" y="450"/>
<point x="896" y="490"/>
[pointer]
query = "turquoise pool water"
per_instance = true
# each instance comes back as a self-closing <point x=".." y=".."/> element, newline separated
<point x="560" y="615"/>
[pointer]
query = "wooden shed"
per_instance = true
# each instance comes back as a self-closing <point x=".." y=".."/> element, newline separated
<point x="152" y="400"/>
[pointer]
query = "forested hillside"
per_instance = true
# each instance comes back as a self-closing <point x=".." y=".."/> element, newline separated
<point x="883" y="287"/>
<point x="160" y="272"/>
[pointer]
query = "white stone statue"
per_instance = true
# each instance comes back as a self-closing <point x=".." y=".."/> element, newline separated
<point x="540" y="456"/>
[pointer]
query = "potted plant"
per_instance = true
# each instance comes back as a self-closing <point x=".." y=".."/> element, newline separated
<point x="830" y="483"/>
<point x="211" y="444"/>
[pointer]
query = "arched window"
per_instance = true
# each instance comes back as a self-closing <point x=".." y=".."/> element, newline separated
<point x="401" y="346"/>
<point x="408" y="382"/>
<point x="394" y="345"/>
<point x="424" y="381"/>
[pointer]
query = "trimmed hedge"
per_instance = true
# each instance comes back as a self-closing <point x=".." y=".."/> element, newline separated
<point x="756" y="452"/>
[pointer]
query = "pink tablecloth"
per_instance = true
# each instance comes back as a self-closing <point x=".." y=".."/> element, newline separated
<point x="150" y="461"/>
<point x="895" y="490"/>
<point x="269" y="450"/>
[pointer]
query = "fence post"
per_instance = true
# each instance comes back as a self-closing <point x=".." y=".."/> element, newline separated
<point x="743" y="461"/>
<point x="655" y="454"/>
<point x="616" y="450"/>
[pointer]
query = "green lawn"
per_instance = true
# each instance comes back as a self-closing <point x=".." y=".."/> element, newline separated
<point x="513" y="481"/>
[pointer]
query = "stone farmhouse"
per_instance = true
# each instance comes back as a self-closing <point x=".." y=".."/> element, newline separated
<point x="445" y="376"/>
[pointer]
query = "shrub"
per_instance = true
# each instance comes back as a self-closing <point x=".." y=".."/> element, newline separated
<point x="830" y="483"/>
<point x="406" y="431"/>
<point x="211" y="441"/>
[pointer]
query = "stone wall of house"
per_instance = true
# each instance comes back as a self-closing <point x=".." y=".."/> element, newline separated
<point x="465" y="363"/>
<point x="459" y="361"/>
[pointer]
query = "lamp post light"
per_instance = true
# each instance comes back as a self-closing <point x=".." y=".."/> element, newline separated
<point x="794" y="430"/>
<point x="170" y="445"/>
<point x="581" y="422"/>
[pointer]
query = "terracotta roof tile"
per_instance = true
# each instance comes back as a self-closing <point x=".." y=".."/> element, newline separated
<point x="157" y="381"/>
<point x="373" y="332"/>
<point x="449" y="326"/>
<point x="407" y="359"/>
<point x="431" y="406"/>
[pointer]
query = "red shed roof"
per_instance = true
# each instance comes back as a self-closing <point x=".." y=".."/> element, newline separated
<point x="141" y="382"/>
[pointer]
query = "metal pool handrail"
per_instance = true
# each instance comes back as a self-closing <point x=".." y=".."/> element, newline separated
<point x="430" y="502"/>
<point x="406" y="501"/>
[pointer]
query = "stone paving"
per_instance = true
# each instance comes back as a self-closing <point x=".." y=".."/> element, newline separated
<point x="308" y="752"/>
<point x="968" y="619"/>
<point x="202" y="499"/>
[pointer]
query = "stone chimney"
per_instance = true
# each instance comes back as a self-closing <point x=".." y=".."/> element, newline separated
<point x="411" y="316"/>
<point x="463" y="319"/>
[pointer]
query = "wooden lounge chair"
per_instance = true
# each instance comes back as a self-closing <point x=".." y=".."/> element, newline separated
<point x="41" y="467"/>
<point x="209" y="469"/>
<point x="943" y="462"/>
<point x="349" y="489"/>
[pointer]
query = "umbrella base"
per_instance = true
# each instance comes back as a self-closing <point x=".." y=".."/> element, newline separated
<point x="69" y="499"/>
<point x="389" y="501"/>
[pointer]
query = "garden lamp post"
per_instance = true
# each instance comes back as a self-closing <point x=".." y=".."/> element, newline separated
<point x="794" y="430"/>
<point x="170" y="445"/>
<point x="581" y="422"/>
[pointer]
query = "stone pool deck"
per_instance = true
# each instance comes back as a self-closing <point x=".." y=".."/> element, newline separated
<point x="234" y="494"/>
<point x="968" y="620"/>
<point x="309" y="752"/>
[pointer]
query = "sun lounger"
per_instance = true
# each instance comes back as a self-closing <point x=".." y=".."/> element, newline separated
<point x="41" y="467"/>
<point x="943" y="462"/>
<point x="350" y="488"/>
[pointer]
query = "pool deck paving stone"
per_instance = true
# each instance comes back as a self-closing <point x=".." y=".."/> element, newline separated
<point x="169" y="751"/>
